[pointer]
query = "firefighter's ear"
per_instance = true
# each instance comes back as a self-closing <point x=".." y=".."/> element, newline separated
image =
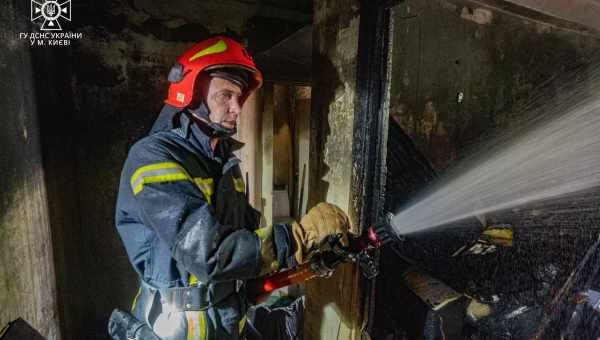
<point x="201" y="86"/>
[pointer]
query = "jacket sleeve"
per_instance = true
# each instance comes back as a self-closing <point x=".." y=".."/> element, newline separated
<point x="172" y="204"/>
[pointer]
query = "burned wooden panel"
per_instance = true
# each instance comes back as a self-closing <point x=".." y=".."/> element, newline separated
<point x="333" y="308"/>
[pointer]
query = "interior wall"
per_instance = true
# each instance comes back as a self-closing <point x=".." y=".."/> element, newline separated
<point x="333" y="308"/>
<point x="282" y="138"/>
<point x="285" y="148"/>
<point x="249" y="132"/>
<point x="54" y="94"/>
<point x="27" y="285"/>
<point x="302" y="105"/>
<point x="460" y="75"/>
<point x="267" y="153"/>
<point x="461" y="71"/>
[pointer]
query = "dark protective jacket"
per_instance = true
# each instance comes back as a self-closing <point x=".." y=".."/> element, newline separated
<point x="184" y="220"/>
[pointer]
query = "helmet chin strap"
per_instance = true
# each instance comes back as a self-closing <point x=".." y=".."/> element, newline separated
<point x="211" y="128"/>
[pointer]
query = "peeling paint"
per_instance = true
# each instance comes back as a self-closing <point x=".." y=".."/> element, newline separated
<point x="347" y="41"/>
<point x="329" y="315"/>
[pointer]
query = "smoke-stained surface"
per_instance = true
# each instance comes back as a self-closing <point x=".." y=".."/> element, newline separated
<point x="471" y="81"/>
<point x="27" y="286"/>
<point x="554" y="153"/>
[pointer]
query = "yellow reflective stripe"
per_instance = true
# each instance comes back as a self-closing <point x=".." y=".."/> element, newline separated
<point x="137" y="295"/>
<point x="152" y="167"/>
<point x="238" y="183"/>
<point x="193" y="280"/>
<point x="159" y="172"/>
<point x="206" y="186"/>
<point x="242" y="324"/>
<point x="264" y="233"/>
<point x="202" y="325"/>
<point x="218" y="47"/>
<point x="159" y="179"/>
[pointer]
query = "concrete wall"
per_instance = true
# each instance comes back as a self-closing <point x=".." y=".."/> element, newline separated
<point x="27" y="285"/>
<point x="333" y="310"/>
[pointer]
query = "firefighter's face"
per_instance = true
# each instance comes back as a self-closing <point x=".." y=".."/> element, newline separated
<point x="223" y="101"/>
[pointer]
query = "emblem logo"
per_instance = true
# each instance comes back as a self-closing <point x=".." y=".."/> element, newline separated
<point x="50" y="11"/>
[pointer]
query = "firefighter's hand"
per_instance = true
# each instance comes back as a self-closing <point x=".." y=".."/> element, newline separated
<point x="320" y="221"/>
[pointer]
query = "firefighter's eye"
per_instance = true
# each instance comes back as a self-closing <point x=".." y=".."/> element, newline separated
<point x="224" y="96"/>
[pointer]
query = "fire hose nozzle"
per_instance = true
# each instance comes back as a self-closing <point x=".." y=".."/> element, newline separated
<point x="329" y="255"/>
<point x="375" y="237"/>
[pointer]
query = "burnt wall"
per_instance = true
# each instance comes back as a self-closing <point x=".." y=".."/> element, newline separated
<point x="333" y="307"/>
<point x="461" y="72"/>
<point x="461" y="76"/>
<point x="27" y="286"/>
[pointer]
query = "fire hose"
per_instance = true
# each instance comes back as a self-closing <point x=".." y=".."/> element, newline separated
<point x="325" y="259"/>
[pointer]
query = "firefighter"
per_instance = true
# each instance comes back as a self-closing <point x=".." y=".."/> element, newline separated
<point x="182" y="214"/>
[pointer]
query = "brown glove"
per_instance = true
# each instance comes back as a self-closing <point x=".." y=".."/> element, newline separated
<point x="320" y="221"/>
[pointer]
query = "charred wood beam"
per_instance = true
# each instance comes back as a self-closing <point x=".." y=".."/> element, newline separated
<point x="371" y="116"/>
<point x="371" y="123"/>
<point x="583" y="12"/>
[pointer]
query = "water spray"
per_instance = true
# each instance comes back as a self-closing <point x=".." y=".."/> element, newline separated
<point x="554" y="154"/>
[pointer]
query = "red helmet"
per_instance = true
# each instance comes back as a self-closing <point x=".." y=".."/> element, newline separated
<point x="209" y="54"/>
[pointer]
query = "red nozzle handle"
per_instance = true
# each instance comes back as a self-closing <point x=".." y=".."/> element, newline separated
<point x="375" y="237"/>
<point x="369" y="239"/>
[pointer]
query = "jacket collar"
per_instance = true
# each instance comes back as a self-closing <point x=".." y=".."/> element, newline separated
<point x="178" y="121"/>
